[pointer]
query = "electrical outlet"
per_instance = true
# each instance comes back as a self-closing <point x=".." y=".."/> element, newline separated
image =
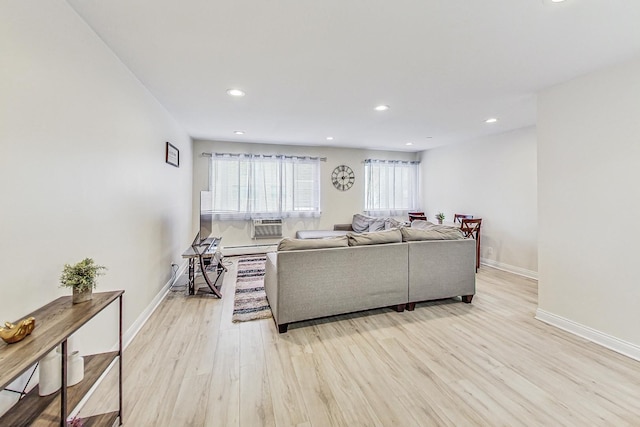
<point x="489" y="250"/>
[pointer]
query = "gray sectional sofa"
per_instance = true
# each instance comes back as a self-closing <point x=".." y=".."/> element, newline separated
<point x="307" y="279"/>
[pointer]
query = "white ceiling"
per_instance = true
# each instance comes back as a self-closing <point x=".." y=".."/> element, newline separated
<point x="313" y="69"/>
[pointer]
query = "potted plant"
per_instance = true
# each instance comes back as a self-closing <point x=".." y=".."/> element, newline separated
<point x="81" y="277"/>
<point x="440" y="217"/>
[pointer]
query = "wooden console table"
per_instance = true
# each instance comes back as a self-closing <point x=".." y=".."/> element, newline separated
<point x="55" y="322"/>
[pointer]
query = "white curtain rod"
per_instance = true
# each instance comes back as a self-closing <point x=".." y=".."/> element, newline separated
<point x="322" y="159"/>
<point x="406" y="162"/>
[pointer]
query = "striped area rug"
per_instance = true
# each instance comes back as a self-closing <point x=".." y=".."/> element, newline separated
<point x="250" y="302"/>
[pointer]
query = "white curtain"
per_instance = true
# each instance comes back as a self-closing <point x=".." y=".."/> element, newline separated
<point x="249" y="186"/>
<point x="391" y="187"/>
<point x="300" y="187"/>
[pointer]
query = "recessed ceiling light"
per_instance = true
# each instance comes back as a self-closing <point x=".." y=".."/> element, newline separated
<point x="556" y="1"/>
<point x="235" y="92"/>
<point x="491" y="120"/>
<point x="329" y="138"/>
<point x="238" y="132"/>
<point x="409" y="143"/>
<point x="382" y="108"/>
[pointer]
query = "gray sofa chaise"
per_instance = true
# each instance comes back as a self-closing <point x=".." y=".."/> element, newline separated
<point x="308" y="279"/>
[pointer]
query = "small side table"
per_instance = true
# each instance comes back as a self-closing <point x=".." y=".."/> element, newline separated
<point x="206" y="253"/>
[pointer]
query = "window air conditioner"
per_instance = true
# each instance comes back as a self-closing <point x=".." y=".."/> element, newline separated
<point x="267" y="228"/>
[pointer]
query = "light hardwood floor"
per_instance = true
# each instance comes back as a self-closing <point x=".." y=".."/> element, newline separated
<point x="489" y="363"/>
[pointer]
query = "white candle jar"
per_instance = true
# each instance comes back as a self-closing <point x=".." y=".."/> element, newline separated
<point x="75" y="368"/>
<point x="50" y="375"/>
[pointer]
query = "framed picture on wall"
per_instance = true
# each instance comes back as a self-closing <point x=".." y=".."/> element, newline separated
<point x="172" y="155"/>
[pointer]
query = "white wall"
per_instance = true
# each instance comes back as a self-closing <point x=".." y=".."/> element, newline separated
<point x="589" y="204"/>
<point x="82" y="171"/>
<point x="337" y="206"/>
<point x="492" y="178"/>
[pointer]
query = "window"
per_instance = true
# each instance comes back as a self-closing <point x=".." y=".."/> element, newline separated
<point x="391" y="187"/>
<point x="249" y="186"/>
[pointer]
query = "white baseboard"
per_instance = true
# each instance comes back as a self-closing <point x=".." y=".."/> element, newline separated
<point x="626" y="348"/>
<point x="510" y="268"/>
<point x="133" y="330"/>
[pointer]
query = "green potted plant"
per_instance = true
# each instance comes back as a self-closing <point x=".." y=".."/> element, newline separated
<point x="81" y="277"/>
<point x="440" y="217"/>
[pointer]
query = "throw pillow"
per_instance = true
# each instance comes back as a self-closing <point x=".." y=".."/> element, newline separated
<point x="377" y="225"/>
<point x="392" y="223"/>
<point x="375" y="238"/>
<point x="360" y="223"/>
<point x="440" y="233"/>
<point x="289" y="244"/>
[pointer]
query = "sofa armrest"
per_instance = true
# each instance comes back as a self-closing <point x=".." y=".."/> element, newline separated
<point x="342" y="227"/>
<point x="441" y="269"/>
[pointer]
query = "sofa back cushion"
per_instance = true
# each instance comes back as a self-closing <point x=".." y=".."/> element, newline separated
<point x="410" y="234"/>
<point x="375" y="238"/>
<point x="288" y="244"/>
<point x="421" y="224"/>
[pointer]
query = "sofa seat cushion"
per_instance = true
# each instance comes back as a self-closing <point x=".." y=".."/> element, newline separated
<point x="288" y="244"/>
<point x="375" y="238"/>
